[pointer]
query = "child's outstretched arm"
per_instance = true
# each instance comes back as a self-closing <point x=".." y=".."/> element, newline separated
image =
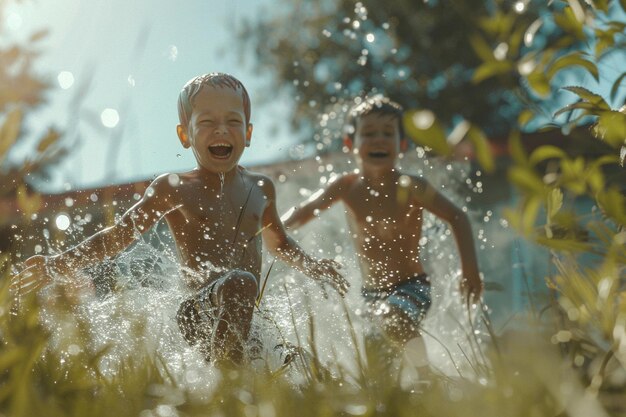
<point x="435" y="202"/>
<point x="284" y="247"/>
<point x="319" y="201"/>
<point x="40" y="270"/>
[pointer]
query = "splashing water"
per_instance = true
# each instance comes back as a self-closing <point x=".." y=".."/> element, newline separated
<point x="222" y="176"/>
<point x="452" y="334"/>
<point x="141" y="312"/>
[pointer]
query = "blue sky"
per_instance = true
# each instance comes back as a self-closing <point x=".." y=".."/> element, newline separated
<point x="136" y="56"/>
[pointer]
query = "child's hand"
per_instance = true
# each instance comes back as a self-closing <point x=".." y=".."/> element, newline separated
<point x="325" y="271"/>
<point x="36" y="274"/>
<point x="472" y="289"/>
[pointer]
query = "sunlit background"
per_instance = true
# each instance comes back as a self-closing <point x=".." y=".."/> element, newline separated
<point x="116" y="68"/>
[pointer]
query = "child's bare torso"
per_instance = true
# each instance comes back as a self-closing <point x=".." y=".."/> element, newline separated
<point x="216" y="227"/>
<point x="386" y="225"/>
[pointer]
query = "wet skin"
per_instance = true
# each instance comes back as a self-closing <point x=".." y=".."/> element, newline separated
<point x="385" y="213"/>
<point x="218" y="215"/>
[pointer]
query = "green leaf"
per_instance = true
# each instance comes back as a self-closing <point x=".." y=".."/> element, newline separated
<point x="555" y="202"/>
<point x="516" y="149"/>
<point x="570" y="60"/>
<point x="28" y="203"/>
<point x="569" y="23"/>
<point x="617" y="85"/>
<point x="524" y="117"/>
<point x="9" y="132"/>
<point x="489" y="69"/>
<point x="611" y="128"/>
<point x="39" y="35"/>
<point x="595" y="179"/>
<point x="482" y="48"/>
<point x="546" y="152"/>
<point x="526" y="179"/>
<point x="10" y="356"/>
<point x="616" y="26"/>
<point x="579" y="105"/>
<point x="623" y="4"/>
<point x="529" y="214"/>
<point x="602" y="5"/>
<point x="604" y="160"/>
<point x="589" y="96"/>
<point x="613" y="204"/>
<point x="604" y="41"/>
<point x="567" y="245"/>
<point x="515" y="40"/>
<point x="483" y="149"/>
<point x="429" y="134"/>
<point x="48" y="140"/>
<point x="539" y="83"/>
<point x="498" y="24"/>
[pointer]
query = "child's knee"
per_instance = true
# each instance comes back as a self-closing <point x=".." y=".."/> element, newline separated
<point x="240" y="284"/>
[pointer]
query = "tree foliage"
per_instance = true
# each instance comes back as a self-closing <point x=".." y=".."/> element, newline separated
<point x="464" y="61"/>
<point x="22" y="91"/>
<point x="588" y="249"/>
<point x="469" y="69"/>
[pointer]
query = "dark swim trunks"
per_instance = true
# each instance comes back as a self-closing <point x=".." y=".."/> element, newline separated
<point x="195" y="318"/>
<point x="197" y="315"/>
<point x="411" y="296"/>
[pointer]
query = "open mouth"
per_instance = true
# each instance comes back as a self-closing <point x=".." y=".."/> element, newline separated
<point x="221" y="150"/>
<point x="378" y="154"/>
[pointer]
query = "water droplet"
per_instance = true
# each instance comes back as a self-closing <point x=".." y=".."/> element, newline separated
<point x="423" y="119"/>
<point x="65" y="79"/>
<point x="527" y="66"/>
<point x="501" y="50"/>
<point x="73" y="349"/>
<point x="62" y="221"/>
<point x="109" y="117"/>
<point x="172" y="53"/>
<point x="173" y="180"/>
<point x="355" y="409"/>
<point x="404" y="181"/>
<point x="93" y="197"/>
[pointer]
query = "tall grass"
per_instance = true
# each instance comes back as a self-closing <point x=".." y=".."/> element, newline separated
<point x="528" y="374"/>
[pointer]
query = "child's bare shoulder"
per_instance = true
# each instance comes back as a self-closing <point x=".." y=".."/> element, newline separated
<point x="420" y="188"/>
<point x="170" y="182"/>
<point x="169" y="187"/>
<point x="262" y="181"/>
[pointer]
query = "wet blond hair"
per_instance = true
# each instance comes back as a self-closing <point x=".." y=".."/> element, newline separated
<point x="213" y="79"/>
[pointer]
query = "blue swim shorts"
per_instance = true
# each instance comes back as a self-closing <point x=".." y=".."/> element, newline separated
<point x="411" y="296"/>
